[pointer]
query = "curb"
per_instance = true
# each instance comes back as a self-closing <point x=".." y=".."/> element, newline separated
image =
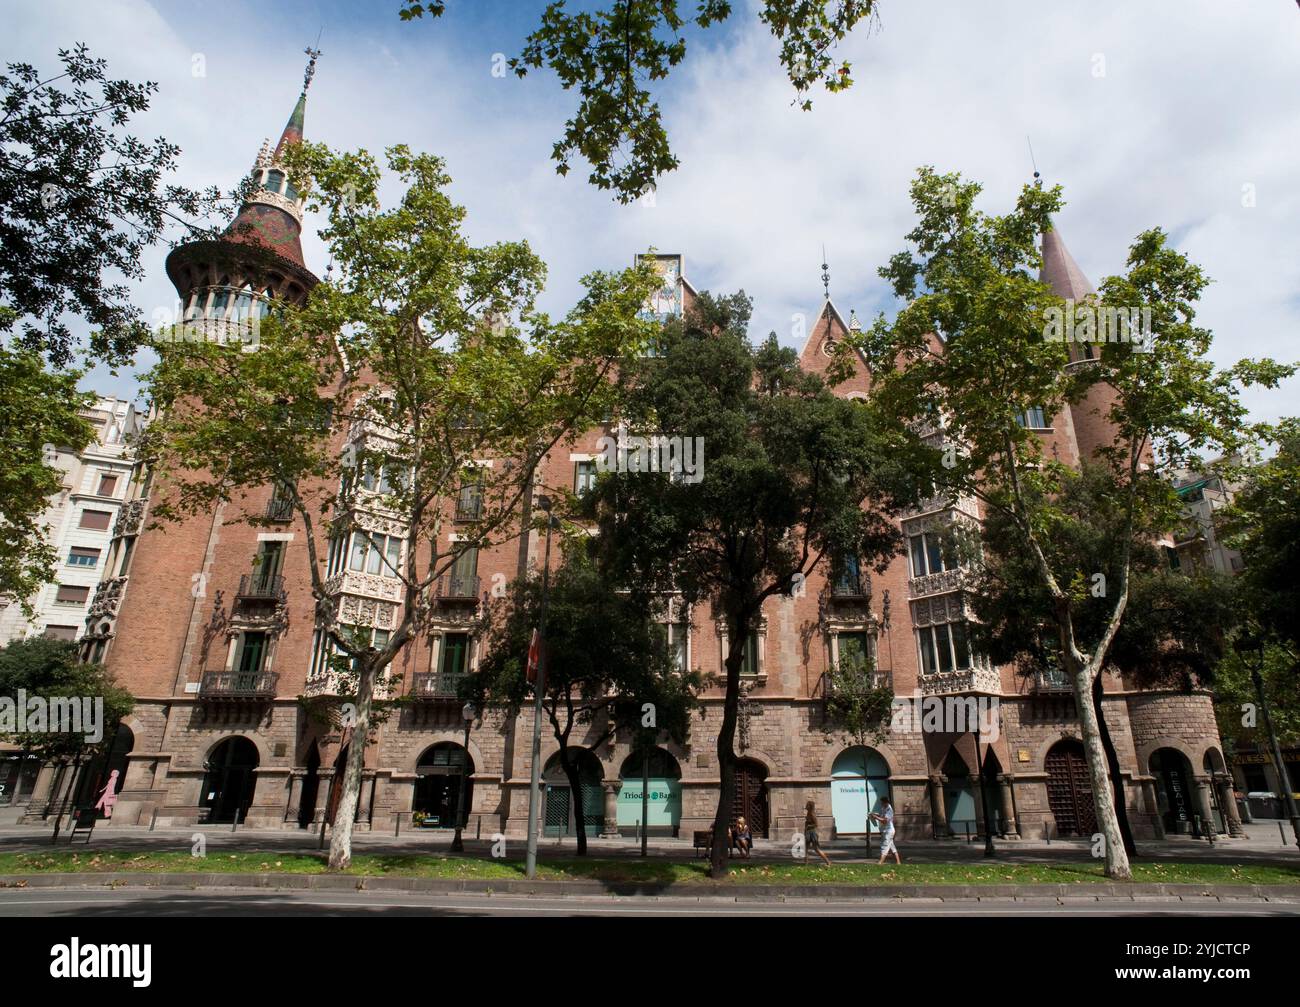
<point x="1090" y="891"/>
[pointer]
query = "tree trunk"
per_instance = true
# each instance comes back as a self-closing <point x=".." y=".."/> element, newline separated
<point x="1117" y="867"/>
<point x="1112" y="763"/>
<point x="737" y="628"/>
<point x="575" y="791"/>
<point x="341" y="834"/>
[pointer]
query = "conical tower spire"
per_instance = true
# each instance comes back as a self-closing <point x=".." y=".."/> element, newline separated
<point x="293" y="128"/>
<point x="272" y="212"/>
<point x="1060" y="271"/>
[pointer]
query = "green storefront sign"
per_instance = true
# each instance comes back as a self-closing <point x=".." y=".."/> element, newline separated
<point x="664" y="807"/>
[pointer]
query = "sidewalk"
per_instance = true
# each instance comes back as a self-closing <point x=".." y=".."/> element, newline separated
<point x="1262" y="845"/>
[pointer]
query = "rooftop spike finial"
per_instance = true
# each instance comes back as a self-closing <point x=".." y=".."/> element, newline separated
<point x="310" y="72"/>
<point x="826" y="275"/>
<point x="1038" y="178"/>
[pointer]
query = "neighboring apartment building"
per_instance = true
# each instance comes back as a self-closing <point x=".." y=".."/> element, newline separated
<point x="81" y="518"/>
<point x="219" y="733"/>
<point x="1197" y="544"/>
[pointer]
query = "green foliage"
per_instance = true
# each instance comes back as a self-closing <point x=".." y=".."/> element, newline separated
<point x="424" y="355"/>
<point x="50" y="669"/>
<point x="794" y="478"/>
<point x="376" y="404"/>
<point x="1237" y="702"/>
<point x="614" y="56"/>
<point x="1263" y="523"/>
<point x="82" y="200"/>
<point x="38" y="408"/>
<point x="605" y="655"/>
<point x="1176" y="624"/>
<point x="857" y="702"/>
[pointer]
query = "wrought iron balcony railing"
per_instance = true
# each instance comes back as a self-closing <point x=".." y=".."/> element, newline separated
<point x="434" y="685"/>
<point x="279" y="509"/>
<point x="1053" y="680"/>
<point x="469" y="508"/>
<point x="239" y="684"/>
<point x="259" y="587"/>
<point x="851" y="586"/>
<point x="458" y="587"/>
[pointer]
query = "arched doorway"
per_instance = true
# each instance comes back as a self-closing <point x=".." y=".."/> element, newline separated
<point x="859" y="779"/>
<point x="959" y="795"/>
<point x="664" y="787"/>
<point x="990" y="794"/>
<point x="1069" y="789"/>
<point x="750" y="798"/>
<point x="1173" y="774"/>
<point x="229" y="781"/>
<point x="439" y="776"/>
<point x="559" y="819"/>
<point x="310" y="787"/>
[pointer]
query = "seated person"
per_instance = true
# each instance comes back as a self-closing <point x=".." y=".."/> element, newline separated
<point x="741" y="838"/>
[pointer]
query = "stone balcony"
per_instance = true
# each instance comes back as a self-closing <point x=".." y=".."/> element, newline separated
<point x="936" y="583"/>
<point x="365" y="585"/>
<point x="973" y="680"/>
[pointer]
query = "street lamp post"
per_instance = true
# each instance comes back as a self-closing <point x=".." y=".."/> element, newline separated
<point x="534" y="796"/>
<point x="989" y="850"/>
<point x="468" y="712"/>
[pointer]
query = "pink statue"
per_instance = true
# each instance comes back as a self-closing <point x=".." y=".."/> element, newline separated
<point x="108" y="796"/>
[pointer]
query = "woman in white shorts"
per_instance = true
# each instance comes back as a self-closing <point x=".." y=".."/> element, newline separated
<point x="885" y="819"/>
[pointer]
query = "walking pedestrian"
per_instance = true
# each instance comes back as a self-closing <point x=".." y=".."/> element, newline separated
<point x="885" y="819"/>
<point x="810" y="842"/>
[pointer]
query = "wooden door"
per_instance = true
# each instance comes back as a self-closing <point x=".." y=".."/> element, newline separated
<point x="1069" y="790"/>
<point x="751" y="796"/>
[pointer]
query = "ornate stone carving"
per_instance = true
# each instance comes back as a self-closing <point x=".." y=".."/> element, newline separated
<point x="108" y="595"/>
<point x="129" y="519"/>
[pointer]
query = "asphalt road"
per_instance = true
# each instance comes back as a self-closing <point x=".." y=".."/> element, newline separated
<point x="125" y="903"/>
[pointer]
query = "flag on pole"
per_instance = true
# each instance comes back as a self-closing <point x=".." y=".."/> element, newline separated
<point x="534" y="656"/>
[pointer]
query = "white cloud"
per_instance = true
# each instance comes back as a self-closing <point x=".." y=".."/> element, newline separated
<point x="1197" y="100"/>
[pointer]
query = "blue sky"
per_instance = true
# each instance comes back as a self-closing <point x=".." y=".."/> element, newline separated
<point x="1177" y="113"/>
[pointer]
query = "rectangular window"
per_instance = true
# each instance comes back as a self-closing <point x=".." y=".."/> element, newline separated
<point x="464" y="571"/>
<point x="79" y="556"/>
<point x="960" y="645"/>
<point x="1032" y="418"/>
<point x="678" y="636"/>
<point x="943" y="646"/>
<point x="96" y="520"/>
<point x="267" y="565"/>
<point x="584" y="477"/>
<point x="469" y="503"/>
<point x="72" y="594"/>
<point x="916" y="544"/>
<point x="749" y="663"/>
<point x="124" y="562"/>
<point x="252" y="651"/>
<point x="60" y="632"/>
<point x="933" y="552"/>
<point x="928" y="663"/>
<point x="453" y="658"/>
<point x="107" y="486"/>
<point x="854" y="647"/>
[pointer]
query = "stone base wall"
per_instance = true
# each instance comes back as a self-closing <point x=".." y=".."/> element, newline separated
<point x="787" y="738"/>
